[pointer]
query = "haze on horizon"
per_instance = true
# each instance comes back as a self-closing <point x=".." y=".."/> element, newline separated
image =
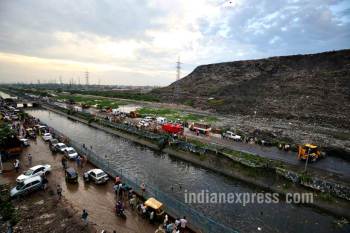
<point x="135" y="42"/>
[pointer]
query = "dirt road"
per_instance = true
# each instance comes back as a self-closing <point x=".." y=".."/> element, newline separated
<point x="98" y="200"/>
<point x="334" y="165"/>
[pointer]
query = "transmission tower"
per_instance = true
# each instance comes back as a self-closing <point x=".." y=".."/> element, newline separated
<point x="87" y="78"/>
<point x="178" y="69"/>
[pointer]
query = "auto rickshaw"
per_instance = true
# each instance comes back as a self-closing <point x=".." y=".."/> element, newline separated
<point x="156" y="206"/>
<point x="71" y="175"/>
<point x="30" y="133"/>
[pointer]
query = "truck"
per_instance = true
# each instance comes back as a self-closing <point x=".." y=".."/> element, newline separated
<point x="173" y="128"/>
<point x="203" y="128"/>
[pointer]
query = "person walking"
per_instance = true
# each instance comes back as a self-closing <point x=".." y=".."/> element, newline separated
<point x="84" y="216"/>
<point x="64" y="162"/>
<point x="44" y="181"/>
<point x="151" y="217"/>
<point x="16" y="165"/>
<point x="59" y="192"/>
<point x="30" y="158"/>
<point x="78" y="160"/>
<point x="183" y="223"/>
<point x="143" y="188"/>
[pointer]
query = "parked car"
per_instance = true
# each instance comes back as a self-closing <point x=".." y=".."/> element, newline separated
<point x="47" y="137"/>
<point x="61" y="147"/>
<point x="71" y="175"/>
<point x="96" y="175"/>
<point x="231" y="135"/>
<point x="24" y="142"/>
<point x="52" y="143"/>
<point x="27" y="186"/>
<point x="34" y="171"/>
<point x="148" y="119"/>
<point x="70" y="153"/>
<point x="144" y="123"/>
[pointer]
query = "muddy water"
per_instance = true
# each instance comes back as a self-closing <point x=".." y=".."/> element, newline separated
<point x="163" y="171"/>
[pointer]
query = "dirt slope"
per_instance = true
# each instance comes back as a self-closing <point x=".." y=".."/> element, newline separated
<point x="314" y="88"/>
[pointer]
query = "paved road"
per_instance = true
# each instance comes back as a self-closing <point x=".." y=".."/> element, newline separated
<point x="329" y="164"/>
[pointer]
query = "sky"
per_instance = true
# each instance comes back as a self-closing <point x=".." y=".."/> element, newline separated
<point x="136" y="42"/>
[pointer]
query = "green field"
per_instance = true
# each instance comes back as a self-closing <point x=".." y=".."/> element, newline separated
<point x="92" y="101"/>
<point x="173" y="115"/>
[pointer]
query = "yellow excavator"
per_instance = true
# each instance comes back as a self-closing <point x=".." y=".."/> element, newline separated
<point x="309" y="151"/>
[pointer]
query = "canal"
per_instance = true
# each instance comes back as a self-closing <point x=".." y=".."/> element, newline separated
<point x="173" y="176"/>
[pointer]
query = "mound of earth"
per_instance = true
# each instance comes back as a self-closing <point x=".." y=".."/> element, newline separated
<point x="313" y="88"/>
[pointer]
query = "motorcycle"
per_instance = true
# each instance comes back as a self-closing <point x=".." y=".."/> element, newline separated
<point x="119" y="209"/>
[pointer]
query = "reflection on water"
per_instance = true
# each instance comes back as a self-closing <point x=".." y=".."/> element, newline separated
<point x="173" y="176"/>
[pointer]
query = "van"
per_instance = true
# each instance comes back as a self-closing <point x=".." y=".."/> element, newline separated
<point x="27" y="186"/>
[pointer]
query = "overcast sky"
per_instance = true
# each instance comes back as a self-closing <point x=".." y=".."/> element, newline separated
<point x="135" y="42"/>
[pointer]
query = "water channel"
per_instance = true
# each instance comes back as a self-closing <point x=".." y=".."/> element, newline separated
<point x="163" y="171"/>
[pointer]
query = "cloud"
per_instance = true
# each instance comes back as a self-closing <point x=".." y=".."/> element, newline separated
<point x="138" y="42"/>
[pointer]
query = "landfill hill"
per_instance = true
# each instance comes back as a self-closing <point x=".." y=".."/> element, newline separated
<point x="312" y="87"/>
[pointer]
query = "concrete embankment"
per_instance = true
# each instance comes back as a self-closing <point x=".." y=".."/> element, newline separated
<point x="262" y="177"/>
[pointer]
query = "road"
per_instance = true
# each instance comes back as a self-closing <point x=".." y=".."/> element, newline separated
<point x="330" y="164"/>
<point x="98" y="200"/>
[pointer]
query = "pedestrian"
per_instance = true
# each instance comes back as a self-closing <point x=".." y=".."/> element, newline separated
<point x="78" y="160"/>
<point x="9" y="227"/>
<point x="117" y="180"/>
<point x="143" y="188"/>
<point x="143" y="210"/>
<point x="183" y="223"/>
<point x="84" y="216"/>
<point x="16" y="165"/>
<point x="133" y="202"/>
<point x="64" y="162"/>
<point x="165" y="222"/>
<point x="170" y="227"/>
<point x="177" y="222"/>
<point x="30" y="158"/>
<point x="82" y="161"/>
<point x="151" y="217"/>
<point x="59" y="192"/>
<point x="44" y="182"/>
<point x="160" y="230"/>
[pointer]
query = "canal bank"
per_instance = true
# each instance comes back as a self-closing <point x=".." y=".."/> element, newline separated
<point x="261" y="177"/>
<point x="168" y="174"/>
<point x="278" y="179"/>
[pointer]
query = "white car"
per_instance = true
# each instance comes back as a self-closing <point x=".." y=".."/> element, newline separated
<point x="143" y="123"/>
<point x="96" y="175"/>
<point x="26" y="186"/>
<point x="47" y="136"/>
<point x="148" y="119"/>
<point x="71" y="153"/>
<point x="24" y="142"/>
<point x="34" y="171"/>
<point x="232" y="135"/>
<point x="61" y="147"/>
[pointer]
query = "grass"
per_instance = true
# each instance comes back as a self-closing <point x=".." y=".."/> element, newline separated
<point x="173" y="115"/>
<point x="92" y="101"/>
